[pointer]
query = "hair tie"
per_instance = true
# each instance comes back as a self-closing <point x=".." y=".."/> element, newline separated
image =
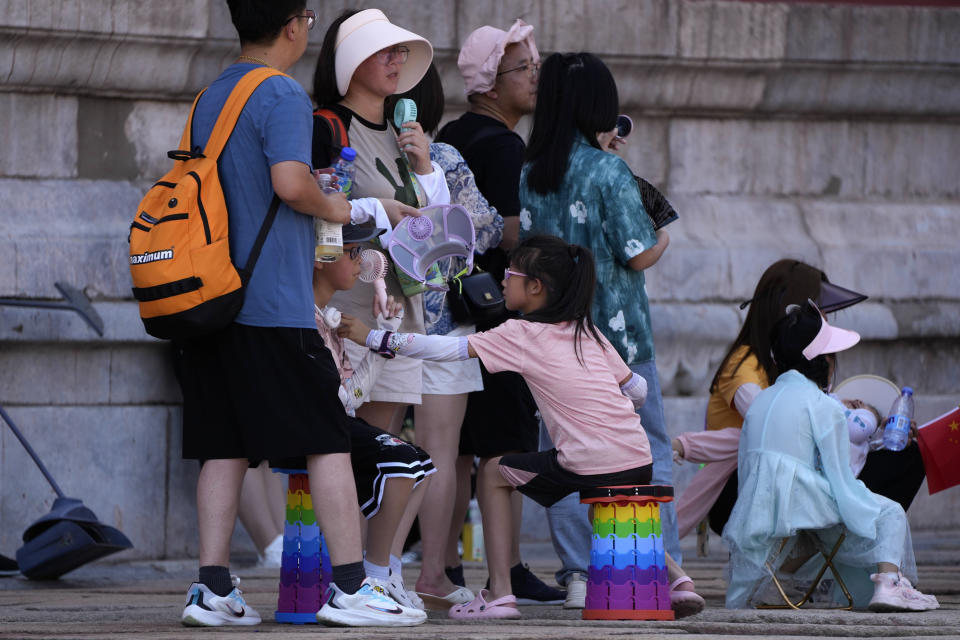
<point x="574" y="251"/>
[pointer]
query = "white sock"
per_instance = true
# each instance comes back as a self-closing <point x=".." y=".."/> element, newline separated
<point x="396" y="566"/>
<point x="376" y="571"/>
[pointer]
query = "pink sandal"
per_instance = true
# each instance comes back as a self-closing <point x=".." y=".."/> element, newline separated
<point x="684" y="603"/>
<point x="480" y="609"/>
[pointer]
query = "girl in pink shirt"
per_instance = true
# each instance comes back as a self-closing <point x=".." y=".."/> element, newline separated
<point x="585" y="392"/>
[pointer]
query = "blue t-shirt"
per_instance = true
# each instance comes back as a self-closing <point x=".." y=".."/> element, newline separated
<point x="276" y="125"/>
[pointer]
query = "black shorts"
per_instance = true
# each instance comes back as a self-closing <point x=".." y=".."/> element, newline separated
<point x="377" y="456"/>
<point x="540" y="476"/>
<point x="500" y="419"/>
<point x="259" y="393"/>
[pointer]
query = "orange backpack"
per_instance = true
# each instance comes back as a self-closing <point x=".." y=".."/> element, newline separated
<point x="183" y="275"/>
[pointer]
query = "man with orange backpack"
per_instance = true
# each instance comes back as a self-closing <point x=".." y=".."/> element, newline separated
<point x="265" y="386"/>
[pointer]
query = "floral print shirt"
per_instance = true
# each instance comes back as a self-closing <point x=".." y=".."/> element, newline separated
<point x="487" y="224"/>
<point x="598" y="206"/>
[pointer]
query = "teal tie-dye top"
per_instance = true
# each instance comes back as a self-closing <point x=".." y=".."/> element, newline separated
<point x="598" y="206"/>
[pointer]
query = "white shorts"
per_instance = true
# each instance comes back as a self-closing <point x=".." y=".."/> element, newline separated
<point x="451" y="378"/>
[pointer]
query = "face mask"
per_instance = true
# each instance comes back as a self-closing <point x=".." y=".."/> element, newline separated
<point x="861" y="423"/>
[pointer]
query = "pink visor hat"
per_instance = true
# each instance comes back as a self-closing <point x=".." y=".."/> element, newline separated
<point x="481" y="53"/>
<point x="829" y="339"/>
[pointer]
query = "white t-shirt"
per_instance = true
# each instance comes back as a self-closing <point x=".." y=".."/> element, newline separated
<point x="592" y="424"/>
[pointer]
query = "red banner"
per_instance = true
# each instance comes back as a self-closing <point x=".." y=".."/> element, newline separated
<point x="939" y="442"/>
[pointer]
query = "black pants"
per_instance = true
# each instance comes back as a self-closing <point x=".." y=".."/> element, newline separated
<point x="892" y="474"/>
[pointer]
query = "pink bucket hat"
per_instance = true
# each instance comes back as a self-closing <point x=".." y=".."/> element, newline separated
<point x="368" y="31"/>
<point x="481" y="53"/>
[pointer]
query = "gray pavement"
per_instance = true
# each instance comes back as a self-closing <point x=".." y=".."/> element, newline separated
<point x="144" y="600"/>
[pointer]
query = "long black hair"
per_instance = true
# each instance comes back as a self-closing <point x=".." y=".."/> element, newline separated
<point x="569" y="276"/>
<point x="576" y="92"/>
<point x="784" y="282"/>
<point x="325" y="90"/>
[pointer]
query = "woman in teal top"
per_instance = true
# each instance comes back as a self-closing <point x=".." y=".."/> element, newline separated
<point x="572" y="188"/>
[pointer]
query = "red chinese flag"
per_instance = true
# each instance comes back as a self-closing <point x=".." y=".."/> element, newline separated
<point x="939" y="442"/>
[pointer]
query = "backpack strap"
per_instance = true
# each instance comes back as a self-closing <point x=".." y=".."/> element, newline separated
<point x="184" y="150"/>
<point x="230" y="113"/>
<point x="247" y="270"/>
<point x="338" y="129"/>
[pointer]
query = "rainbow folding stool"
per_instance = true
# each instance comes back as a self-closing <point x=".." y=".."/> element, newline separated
<point x="305" y="564"/>
<point x="627" y="578"/>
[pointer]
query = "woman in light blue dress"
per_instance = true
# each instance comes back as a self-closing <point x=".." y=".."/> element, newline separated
<point x="795" y="476"/>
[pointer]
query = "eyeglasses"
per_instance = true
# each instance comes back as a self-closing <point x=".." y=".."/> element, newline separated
<point x="399" y="53"/>
<point x="309" y="14"/>
<point x="355" y="252"/>
<point x="532" y="69"/>
<point x="507" y="273"/>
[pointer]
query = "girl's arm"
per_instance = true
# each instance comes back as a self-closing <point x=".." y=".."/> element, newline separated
<point x="411" y="345"/>
<point x="635" y="388"/>
<point x="709" y="446"/>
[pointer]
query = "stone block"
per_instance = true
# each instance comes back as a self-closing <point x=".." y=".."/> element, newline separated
<point x="187" y="18"/>
<point x="108" y="151"/>
<point x="931" y="366"/>
<point x="121" y="325"/>
<point x="872" y="247"/>
<point x="911" y="160"/>
<point x="687" y="339"/>
<point x="68" y="230"/>
<point x="143" y="374"/>
<point x="767" y="157"/>
<point x="872" y="34"/>
<point x="39" y="134"/>
<point x="100" y="264"/>
<point x="722" y="245"/>
<point x="111" y="458"/>
<point x="501" y="14"/>
<point x="153" y="128"/>
<point x="622" y="27"/>
<point x="180" y="513"/>
<point x="46" y="374"/>
<point x="732" y="30"/>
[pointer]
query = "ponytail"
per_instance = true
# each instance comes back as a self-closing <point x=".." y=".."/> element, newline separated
<point x="568" y="274"/>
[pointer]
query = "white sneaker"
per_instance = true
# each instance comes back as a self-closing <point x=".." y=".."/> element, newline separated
<point x="368" y="607"/>
<point x="272" y="556"/>
<point x="204" y="608"/>
<point x="895" y="593"/>
<point x="576" y="592"/>
<point x="398" y="591"/>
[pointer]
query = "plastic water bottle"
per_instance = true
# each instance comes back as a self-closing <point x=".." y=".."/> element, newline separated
<point x="896" y="433"/>
<point x="329" y="235"/>
<point x="345" y="169"/>
<point x="473" y="534"/>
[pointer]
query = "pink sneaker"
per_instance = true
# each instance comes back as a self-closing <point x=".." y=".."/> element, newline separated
<point x="895" y="593"/>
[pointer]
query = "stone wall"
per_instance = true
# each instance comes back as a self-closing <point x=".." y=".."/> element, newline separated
<point x="816" y="131"/>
